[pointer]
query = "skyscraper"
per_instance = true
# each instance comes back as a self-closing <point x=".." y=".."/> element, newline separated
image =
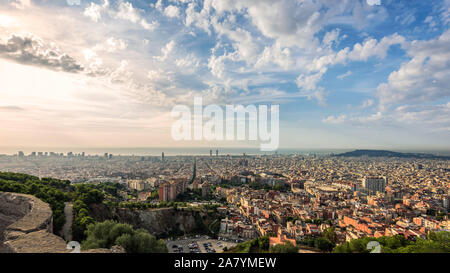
<point x="373" y="184"/>
<point x="164" y="192"/>
<point x="162" y="156"/>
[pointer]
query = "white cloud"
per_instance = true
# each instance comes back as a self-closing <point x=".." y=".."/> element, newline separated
<point x="424" y="78"/>
<point x="189" y="64"/>
<point x="331" y="37"/>
<point x="112" y="44"/>
<point x="94" y="11"/>
<point x="275" y="54"/>
<point x="160" y="76"/>
<point x="367" y="103"/>
<point x="374" y="2"/>
<point x="335" y="119"/>
<point x="374" y="117"/>
<point x="309" y="82"/>
<point x="435" y="116"/>
<point x="345" y="75"/>
<point x="166" y="51"/>
<point x="124" y="11"/>
<point x="172" y="11"/>
<point x="371" y="47"/>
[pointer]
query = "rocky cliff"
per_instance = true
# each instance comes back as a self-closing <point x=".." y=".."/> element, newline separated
<point x="26" y="225"/>
<point x="159" y="222"/>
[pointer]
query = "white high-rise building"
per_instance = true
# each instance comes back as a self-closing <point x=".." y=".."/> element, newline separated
<point x="375" y="183"/>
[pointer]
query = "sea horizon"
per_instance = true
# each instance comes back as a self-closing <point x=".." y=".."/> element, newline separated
<point x="199" y="151"/>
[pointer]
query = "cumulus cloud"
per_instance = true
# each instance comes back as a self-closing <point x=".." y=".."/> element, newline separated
<point x="188" y="64"/>
<point x="123" y="10"/>
<point x="435" y="116"/>
<point x="429" y="118"/>
<point x="294" y="23"/>
<point x="371" y="47"/>
<point x="335" y="119"/>
<point x="374" y="2"/>
<point x="424" y="78"/>
<point x="166" y="51"/>
<point x="275" y="54"/>
<point x="309" y="82"/>
<point x="172" y="11"/>
<point x="94" y="11"/>
<point x="33" y="51"/>
<point x="360" y="52"/>
<point x="112" y="44"/>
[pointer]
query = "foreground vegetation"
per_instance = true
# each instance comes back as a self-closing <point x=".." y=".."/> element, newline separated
<point x="438" y="242"/>
<point x="261" y="245"/>
<point x="56" y="192"/>
<point x="109" y="233"/>
<point x="52" y="191"/>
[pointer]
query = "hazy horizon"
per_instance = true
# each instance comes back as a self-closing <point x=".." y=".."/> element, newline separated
<point x="170" y="151"/>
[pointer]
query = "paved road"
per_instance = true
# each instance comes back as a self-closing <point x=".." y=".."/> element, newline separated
<point x="67" y="228"/>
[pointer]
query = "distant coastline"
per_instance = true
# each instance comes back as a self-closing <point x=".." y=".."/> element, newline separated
<point x="385" y="153"/>
<point x="186" y="151"/>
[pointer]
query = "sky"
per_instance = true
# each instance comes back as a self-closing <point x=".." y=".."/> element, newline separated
<point x="107" y="73"/>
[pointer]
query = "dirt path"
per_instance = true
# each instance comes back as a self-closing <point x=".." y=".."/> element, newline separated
<point x="67" y="228"/>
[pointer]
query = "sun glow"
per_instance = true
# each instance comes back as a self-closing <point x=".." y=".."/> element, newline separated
<point x="5" y="21"/>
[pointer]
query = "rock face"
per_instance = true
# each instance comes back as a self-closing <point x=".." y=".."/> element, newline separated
<point x="26" y="225"/>
<point x="158" y="222"/>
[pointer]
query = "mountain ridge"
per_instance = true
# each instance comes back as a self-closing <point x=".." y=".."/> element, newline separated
<point x="386" y="153"/>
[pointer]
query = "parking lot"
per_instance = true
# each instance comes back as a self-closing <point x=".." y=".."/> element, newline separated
<point x="201" y="244"/>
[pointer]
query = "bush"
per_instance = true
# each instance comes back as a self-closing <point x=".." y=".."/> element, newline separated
<point x="48" y="190"/>
<point x="435" y="243"/>
<point x="109" y="233"/>
<point x="284" y="248"/>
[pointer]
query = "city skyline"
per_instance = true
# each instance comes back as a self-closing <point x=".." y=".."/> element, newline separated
<point x="347" y="75"/>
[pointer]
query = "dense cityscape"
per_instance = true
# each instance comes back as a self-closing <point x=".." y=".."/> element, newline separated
<point x="288" y="198"/>
<point x="249" y="132"/>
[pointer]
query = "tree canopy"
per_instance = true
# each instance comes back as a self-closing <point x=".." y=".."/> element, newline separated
<point x="108" y="233"/>
<point x="438" y="242"/>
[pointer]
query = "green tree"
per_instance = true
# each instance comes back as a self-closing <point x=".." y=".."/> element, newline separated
<point x="109" y="233"/>
<point x="284" y="248"/>
<point x="330" y="235"/>
<point x="323" y="244"/>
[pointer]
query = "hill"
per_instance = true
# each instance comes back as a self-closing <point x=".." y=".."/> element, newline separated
<point x="384" y="153"/>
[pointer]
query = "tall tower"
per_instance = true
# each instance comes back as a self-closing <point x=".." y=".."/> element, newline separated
<point x="162" y="156"/>
<point x="217" y="153"/>
<point x="210" y="152"/>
